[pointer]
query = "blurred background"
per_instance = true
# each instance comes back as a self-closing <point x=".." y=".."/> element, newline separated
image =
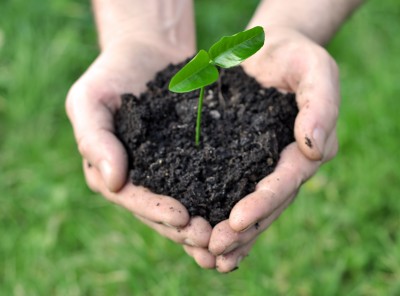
<point x="340" y="237"/>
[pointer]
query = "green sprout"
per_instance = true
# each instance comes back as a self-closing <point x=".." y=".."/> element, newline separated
<point x="201" y="71"/>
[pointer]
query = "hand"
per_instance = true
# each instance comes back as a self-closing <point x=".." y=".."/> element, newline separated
<point x="91" y="103"/>
<point x="290" y="62"/>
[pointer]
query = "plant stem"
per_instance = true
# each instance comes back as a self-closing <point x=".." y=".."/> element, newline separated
<point x="198" y="121"/>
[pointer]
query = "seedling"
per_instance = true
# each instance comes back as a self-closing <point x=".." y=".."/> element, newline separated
<point x="202" y="70"/>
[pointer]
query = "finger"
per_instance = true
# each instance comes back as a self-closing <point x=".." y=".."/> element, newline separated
<point x="231" y="261"/>
<point x="91" y="115"/>
<point x="202" y="256"/>
<point x="196" y="234"/>
<point x="292" y="170"/>
<point x="104" y="151"/>
<point x="154" y="207"/>
<point x="92" y="175"/>
<point x="173" y="213"/>
<point x="296" y="64"/>
<point x="318" y="98"/>
<point x="332" y="144"/>
<point x="225" y="240"/>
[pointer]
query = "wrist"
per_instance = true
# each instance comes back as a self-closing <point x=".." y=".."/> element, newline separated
<point x="167" y="23"/>
<point x="318" y="20"/>
<point x="148" y="48"/>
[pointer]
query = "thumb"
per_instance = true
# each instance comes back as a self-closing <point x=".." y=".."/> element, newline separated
<point x="92" y="117"/>
<point x="318" y="100"/>
<point x="103" y="150"/>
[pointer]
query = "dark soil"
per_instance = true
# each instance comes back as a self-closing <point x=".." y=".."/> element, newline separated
<point x="244" y="129"/>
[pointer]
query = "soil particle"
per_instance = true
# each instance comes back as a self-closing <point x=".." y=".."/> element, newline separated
<point x="308" y="142"/>
<point x="244" y="129"/>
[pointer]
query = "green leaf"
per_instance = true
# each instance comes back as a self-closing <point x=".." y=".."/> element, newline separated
<point x="195" y="74"/>
<point x="230" y="51"/>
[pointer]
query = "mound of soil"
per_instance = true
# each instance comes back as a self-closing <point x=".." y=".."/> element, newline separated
<point x="244" y="129"/>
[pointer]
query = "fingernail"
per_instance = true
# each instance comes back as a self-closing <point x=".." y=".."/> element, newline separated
<point x="189" y="242"/>
<point x="247" y="228"/>
<point x="168" y="225"/>
<point x="230" y="248"/>
<point x="105" y="170"/>
<point x="319" y="139"/>
<point x="238" y="260"/>
<point x="234" y="269"/>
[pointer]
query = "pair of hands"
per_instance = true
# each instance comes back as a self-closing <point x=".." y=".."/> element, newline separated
<point x="288" y="61"/>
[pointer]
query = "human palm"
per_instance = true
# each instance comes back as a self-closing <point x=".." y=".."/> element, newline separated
<point x="91" y="105"/>
<point x="291" y="63"/>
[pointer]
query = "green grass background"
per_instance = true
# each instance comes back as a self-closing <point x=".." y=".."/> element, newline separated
<point x="340" y="237"/>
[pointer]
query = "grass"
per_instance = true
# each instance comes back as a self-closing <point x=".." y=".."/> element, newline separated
<point x="340" y="237"/>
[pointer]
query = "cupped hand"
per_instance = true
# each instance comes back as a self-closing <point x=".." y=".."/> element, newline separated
<point x="290" y="62"/>
<point x="125" y="67"/>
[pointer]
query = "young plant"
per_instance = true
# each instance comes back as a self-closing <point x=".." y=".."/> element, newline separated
<point x="202" y="70"/>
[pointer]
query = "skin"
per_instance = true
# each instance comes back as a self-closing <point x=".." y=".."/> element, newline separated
<point x="126" y="46"/>
<point x="291" y="60"/>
